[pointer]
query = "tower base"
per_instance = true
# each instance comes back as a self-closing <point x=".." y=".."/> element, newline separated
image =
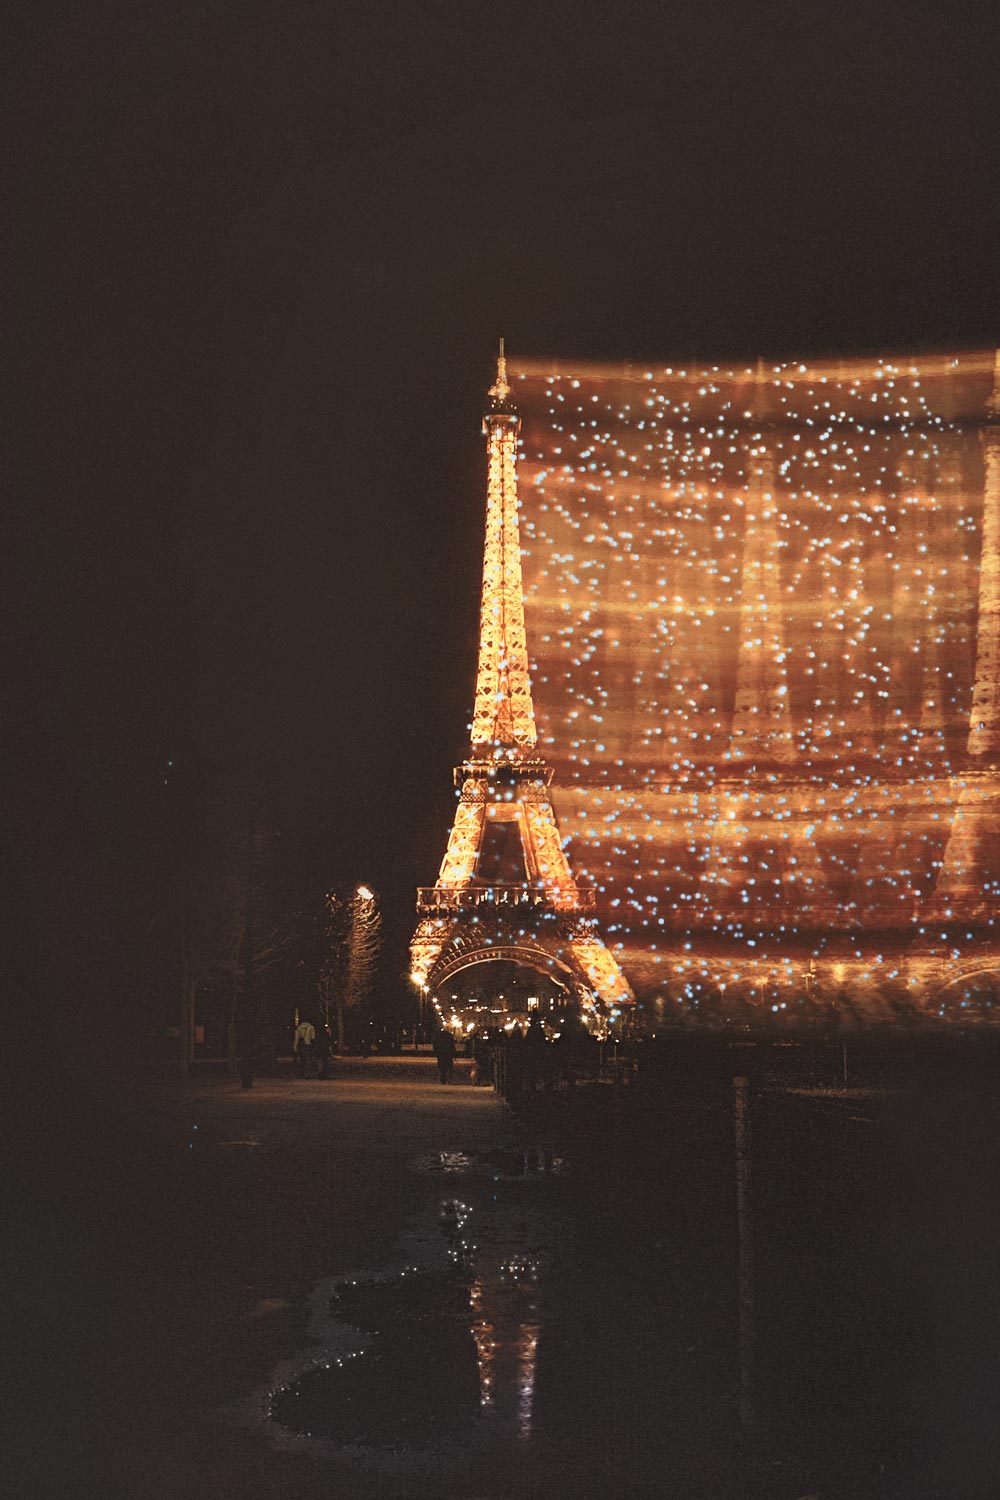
<point x="515" y="925"/>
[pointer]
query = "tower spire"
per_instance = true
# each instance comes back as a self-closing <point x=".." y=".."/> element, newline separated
<point x="503" y="719"/>
<point x="500" y="390"/>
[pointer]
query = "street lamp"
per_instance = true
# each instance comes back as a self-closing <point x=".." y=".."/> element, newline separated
<point x="423" y="990"/>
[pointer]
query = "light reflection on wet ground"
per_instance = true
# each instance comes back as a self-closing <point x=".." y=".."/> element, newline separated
<point x="530" y="1334"/>
<point x="571" y="1328"/>
<point x="437" y="1351"/>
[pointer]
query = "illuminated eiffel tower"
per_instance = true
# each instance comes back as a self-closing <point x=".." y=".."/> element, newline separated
<point x="544" y="920"/>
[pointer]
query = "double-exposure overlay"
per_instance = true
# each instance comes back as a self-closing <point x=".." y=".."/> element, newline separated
<point x="763" y="616"/>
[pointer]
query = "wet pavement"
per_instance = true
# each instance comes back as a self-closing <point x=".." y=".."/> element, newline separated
<point x="379" y="1286"/>
<point x="440" y="1353"/>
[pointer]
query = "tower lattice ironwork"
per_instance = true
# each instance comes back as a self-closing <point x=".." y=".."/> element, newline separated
<point x="544" y="921"/>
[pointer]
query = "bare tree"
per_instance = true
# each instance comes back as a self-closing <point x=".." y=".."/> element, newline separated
<point x="353" y="945"/>
<point x="235" y="908"/>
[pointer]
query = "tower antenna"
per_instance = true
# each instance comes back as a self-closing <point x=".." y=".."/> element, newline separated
<point x="500" y="390"/>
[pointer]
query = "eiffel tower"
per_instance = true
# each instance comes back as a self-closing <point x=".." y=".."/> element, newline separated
<point x="545" y="920"/>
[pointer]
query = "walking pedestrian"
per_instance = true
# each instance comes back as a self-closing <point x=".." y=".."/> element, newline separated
<point x="444" y="1051"/>
<point x="305" y="1035"/>
<point x="535" y="1052"/>
<point x="323" y="1047"/>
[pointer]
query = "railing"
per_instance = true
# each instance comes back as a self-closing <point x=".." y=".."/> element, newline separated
<point x="501" y="897"/>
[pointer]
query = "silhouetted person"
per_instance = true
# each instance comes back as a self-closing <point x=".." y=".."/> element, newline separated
<point x="535" y="1034"/>
<point x="323" y="1047"/>
<point x="534" y="1051"/>
<point x="482" y="1052"/>
<point x="576" y="1048"/>
<point x="444" y="1051"/>
<point x="305" y="1035"/>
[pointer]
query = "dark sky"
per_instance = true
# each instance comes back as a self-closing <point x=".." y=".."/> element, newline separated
<point x="261" y="255"/>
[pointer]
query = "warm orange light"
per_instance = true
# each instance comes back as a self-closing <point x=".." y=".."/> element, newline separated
<point x="506" y="783"/>
<point x="764" y="606"/>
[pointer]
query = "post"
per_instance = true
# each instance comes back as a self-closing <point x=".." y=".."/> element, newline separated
<point x="741" y="1121"/>
<point x="617" y="1128"/>
<point x="248" y="1029"/>
<point x="188" y="987"/>
<point x="187" y="1027"/>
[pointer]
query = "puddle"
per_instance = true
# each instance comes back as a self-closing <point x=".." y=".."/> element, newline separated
<point x="413" y="1384"/>
<point x="265" y="1307"/>
<point x="448" y="1162"/>
<point x="528" y="1163"/>
<point x="542" y="1330"/>
<point x="203" y="1145"/>
<point x="411" y="1298"/>
<point x="436" y="1351"/>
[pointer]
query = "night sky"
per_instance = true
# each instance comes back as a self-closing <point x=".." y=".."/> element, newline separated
<point x="261" y="257"/>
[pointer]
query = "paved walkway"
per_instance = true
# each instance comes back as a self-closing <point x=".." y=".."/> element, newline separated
<point x="176" y="1279"/>
<point x="403" y="1092"/>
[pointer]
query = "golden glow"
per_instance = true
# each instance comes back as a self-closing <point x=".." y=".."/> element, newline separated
<point x="506" y="783"/>
<point x="500" y="389"/>
<point x="764" y="609"/>
<point x="506" y="1330"/>
<point x="503" y="713"/>
<point x="984" y="724"/>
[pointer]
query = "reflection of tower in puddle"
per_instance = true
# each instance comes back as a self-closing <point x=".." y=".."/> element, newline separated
<point x="503" y="1305"/>
<point x="970" y="875"/>
<point x="502" y="1300"/>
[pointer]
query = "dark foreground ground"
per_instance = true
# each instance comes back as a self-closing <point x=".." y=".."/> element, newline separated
<point x="165" y="1248"/>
